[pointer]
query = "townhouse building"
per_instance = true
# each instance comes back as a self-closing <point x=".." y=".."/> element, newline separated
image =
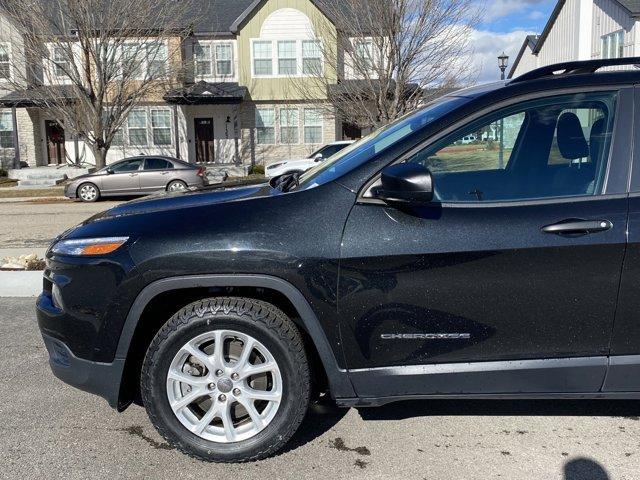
<point x="582" y="30"/>
<point x="239" y="104"/>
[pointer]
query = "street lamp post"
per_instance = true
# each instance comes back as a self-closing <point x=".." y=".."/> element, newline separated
<point x="503" y="63"/>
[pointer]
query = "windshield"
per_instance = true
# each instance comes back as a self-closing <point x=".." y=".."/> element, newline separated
<point x="364" y="150"/>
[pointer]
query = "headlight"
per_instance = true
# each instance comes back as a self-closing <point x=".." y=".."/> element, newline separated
<point x="276" y="165"/>
<point x="90" y="247"/>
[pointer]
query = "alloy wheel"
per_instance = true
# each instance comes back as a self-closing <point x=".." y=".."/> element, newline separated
<point x="224" y="386"/>
<point x="88" y="193"/>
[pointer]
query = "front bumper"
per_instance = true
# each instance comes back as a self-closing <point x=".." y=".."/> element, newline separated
<point x="102" y="379"/>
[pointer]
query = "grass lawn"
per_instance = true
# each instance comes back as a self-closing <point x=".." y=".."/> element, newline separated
<point x="31" y="193"/>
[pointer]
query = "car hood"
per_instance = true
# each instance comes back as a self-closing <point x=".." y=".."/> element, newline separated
<point x="178" y="200"/>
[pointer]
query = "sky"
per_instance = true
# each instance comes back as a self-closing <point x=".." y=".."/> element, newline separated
<point x="504" y="25"/>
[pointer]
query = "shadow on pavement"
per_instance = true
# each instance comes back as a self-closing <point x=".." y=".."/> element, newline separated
<point x="584" y="469"/>
<point x="321" y="417"/>
<point x="429" y="408"/>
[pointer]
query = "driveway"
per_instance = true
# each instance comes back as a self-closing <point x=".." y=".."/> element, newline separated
<point x="49" y="430"/>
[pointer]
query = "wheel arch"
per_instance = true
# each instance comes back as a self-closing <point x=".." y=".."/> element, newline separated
<point x="198" y="287"/>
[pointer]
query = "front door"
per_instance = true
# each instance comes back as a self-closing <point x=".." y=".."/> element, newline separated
<point x="123" y="178"/>
<point x="510" y="277"/>
<point x="55" y="142"/>
<point x="204" y="140"/>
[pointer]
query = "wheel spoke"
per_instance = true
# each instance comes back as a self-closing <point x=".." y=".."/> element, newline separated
<point x="186" y="400"/>
<point x="253" y="412"/>
<point x="206" y="420"/>
<point x="251" y="370"/>
<point x="218" y="350"/>
<point x="199" y="355"/>
<point x="246" y="353"/>
<point x="188" y="379"/>
<point x="272" y="396"/>
<point x="227" y="422"/>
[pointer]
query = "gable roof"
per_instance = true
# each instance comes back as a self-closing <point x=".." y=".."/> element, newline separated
<point x="530" y="41"/>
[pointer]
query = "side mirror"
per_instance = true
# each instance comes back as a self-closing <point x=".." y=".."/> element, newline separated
<point x="318" y="158"/>
<point x="109" y="171"/>
<point x="406" y="184"/>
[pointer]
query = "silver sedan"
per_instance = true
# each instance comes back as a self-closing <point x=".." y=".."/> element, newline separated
<point x="137" y="176"/>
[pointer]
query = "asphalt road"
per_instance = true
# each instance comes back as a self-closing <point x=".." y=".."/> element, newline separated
<point x="49" y="430"/>
<point x="26" y="226"/>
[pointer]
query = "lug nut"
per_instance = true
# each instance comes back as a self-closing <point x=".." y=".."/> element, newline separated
<point x="235" y="377"/>
<point x="188" y="389"/>
<point x="219" y="373"/>
<point x="236" y="392"/>
<point x="212" y="386"/>
<point x="222" y="398"/>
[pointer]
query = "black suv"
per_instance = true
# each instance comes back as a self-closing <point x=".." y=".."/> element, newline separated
<point x="413" y="264"/>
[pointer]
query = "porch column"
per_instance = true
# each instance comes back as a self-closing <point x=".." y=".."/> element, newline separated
<point x="236" y="132"/>
<point x="16" y="140"/>
<point x="176" y="129"/>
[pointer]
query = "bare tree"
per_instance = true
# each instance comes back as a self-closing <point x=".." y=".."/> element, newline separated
<point x="90" y="62"/>
<point x="391" y="56"/>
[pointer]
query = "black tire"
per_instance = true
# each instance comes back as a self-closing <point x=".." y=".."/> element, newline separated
<point x="267" y="324"/>
<point x="85" y="198"/>
<point x="182" y="186"/>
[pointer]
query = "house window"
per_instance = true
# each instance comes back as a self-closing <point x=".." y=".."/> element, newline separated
<point x="262" y="58"/>
<point x="60" y="62"/>
<point x="157" y="58"/>
<point x="364" y="57"/>
<point x="311" y="57"/>
<point x="289" y="126"/>
<point x="6" y="130"/>
<point x="287" y="58"/>
<point x="612" y="45"/>
<point x="5" y="61"/>
<point x="224" y="59"/>
<point x="118" y="138"/>
<point x="204" y="65"/>
<point x="132" y="61"/>
<point x="266" y="126"/>
<point x="312" y="125"/>
<point x="161" y="126"/>
<point x="137" y="126"/>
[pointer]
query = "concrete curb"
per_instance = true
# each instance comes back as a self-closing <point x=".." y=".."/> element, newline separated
<point x="20" y="284"/>
<point x="34" y="199"/>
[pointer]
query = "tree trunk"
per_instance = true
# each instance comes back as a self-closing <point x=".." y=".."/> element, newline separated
<point x="100" y="154"/>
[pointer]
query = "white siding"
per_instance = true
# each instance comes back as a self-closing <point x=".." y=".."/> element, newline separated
<point x="287" y="23"/>
<point x="562" y="43"/>
<point x="528" y="62"/>
<point x="608" y="17"/>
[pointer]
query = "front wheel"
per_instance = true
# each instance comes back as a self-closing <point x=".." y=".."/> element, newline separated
<point x="227" y="380"/>
<point x="88" y="192"/>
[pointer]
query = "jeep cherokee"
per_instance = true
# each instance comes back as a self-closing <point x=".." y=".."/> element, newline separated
<point x="410" y="265"/>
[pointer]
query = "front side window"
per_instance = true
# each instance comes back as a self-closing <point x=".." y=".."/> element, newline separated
<point x="137" y="126"/>
<point x="289" y="126"/>
<point x="312" y="125"/>
<point x="262" y="58"/>
<point x="266" y="126"/>
<point x="6" y="130"/>
<point x="555" y="147"/>
<point x="287" y="62"/>
<point x="128" y="166"/>
<point x="224" y="60"/>
<point x="161" y="126"/>
<point x="5" y="61"/>
<point x="311" y="57"/>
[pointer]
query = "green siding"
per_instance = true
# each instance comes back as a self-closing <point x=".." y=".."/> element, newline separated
<point x="282" y="89"/>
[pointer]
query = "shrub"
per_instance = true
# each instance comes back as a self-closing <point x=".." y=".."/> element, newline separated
<point x="257" y="170"/>
<point x="3" y="172"/>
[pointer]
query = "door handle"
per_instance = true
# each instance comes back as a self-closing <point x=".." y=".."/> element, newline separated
<point x="577" y="226"/>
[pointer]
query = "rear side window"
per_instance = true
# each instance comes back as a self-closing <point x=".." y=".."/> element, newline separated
<point x="157" y="164"/>
<point x="555" y="147"/>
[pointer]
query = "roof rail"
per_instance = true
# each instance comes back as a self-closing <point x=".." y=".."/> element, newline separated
<point x="573" y="68"/>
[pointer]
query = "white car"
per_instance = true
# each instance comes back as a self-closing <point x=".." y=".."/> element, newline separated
<point x="303" y="164"/>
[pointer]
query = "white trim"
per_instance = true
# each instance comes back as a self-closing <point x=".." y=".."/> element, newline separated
<point x="212" y="44"/>
<point x="305" y="126"/>
<point x="9" y="48"/>
<point x="148" y="109"/>
<point x="280" y="126"/>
